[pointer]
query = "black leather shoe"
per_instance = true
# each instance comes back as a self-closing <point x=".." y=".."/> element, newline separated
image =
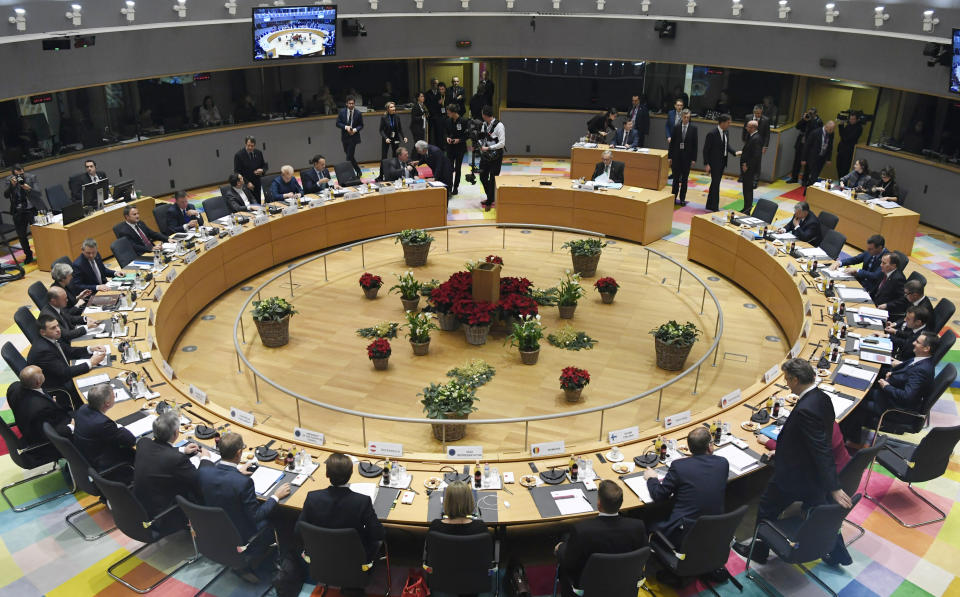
<point x="28" y="260"/>
<point x="744" y="550"/>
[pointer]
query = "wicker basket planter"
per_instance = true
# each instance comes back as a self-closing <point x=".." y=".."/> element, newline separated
<point x="454" y="432"/>
<point x="529" y="357"/>
<point x="410" y="304"/>
<point x="573" y="394"/>
<point x="566" y="311"/>
<point x="476" y="334"/>
<point x="420" y="348"/>
<point x="415" y="255"/>
<point x="607" y="297"/>
<point x="585" y="265"/>
<point x="380" y="364"/>
<point x="274" y="333"/>
<point x="671" y="356"/>
<point x="371" y="292"/>
<point x="447" y="322"/>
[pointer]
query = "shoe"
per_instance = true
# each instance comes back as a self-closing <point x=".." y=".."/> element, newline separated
<point x="28" y="260"/>
<point x="454" y="192"/>
<point x="839" y="556"/>
<point x="683" y="202"/>
<point x="744" y="550"/>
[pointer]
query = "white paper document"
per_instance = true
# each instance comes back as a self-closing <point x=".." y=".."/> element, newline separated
<point x="813" y="253"/>
<point x="639" y="486"/>
<point x="871" y="312"/>
<point x="784" y="236"/>
<point x="853" y="294"/>
<point x="571" y="501"/>
<point x="92" y="380"/>
<point x="739" y="460"/>
<point x="856" y="372"/>
<point x="141" y="426"/>
<point x="840" y="405"/>
<point x="264" y="478"/>
<point x="367" y="489"/>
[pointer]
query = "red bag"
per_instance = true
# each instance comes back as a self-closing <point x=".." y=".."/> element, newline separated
<point x="424" y="171"/>
<point x="416" y="585"/>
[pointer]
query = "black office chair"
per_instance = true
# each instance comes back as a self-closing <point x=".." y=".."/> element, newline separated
<point x="800" y="539"/>
<point x="123" y="252"/>
<point x="38" y="294"/>
<point x="765" y="210"/>
<point x="904" y="260"/>
<point x="215" y="208"/>
<point x="64" y="259"/>
<point x="6" y="229"/>
<point x="346" y="175"/>
<point x="832" y="243"/>
<point x="337" y="556"/>
<point x="27" y="324"/>
<point x="217" y="538"/>
<point x="615" y="574"/>
<point x="828" y="221"/>
<point x="224" y="189"/>
<point x="947" y="340"/>
<point x="919" y="277"/>
<point x="266" y="183"/>
<point x="134" y="522"/>
<point x="902" y="199"/>
<point x="851" y="476"/>
<point x="76" y="187"/>
<point x="461" y="563"/>
<point x="705" y="547"/>
<point x="942" y="312"/>
<point x="79" y="470"/>
<point x="13" y="358"/>
<point x="38" y="202"/>
<point x="57" y="197"/>
<point x="916" y="463"/>
<point x="899" y="422"/>
<point x="160" y="216"/>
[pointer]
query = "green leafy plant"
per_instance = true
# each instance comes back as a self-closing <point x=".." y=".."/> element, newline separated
<point x="407" y="286"/>
<point x="676" y="333"/>
<point x="427" y="287"/>
<point x="272" y="309"/>
<point x="454" y="399"/>
<point x="419" y="325"/>
<point x="527" y="334"/>
<point x="584" y="246"/>
<point x="413" y="236"/>
<point x="384" y="329"/>
<point x="545" y="297"/>
<point x="569" y="338"/>
<point x="473" y="373"/>
<point x="569" y="291"/>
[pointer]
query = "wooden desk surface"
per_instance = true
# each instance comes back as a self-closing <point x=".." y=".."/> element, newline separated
<point x="859" y="220"/>
<point x="647" y="169"/>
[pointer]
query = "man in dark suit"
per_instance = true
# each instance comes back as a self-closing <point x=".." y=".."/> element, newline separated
<point x="23" y="191"/>
<point x="98" y="437"/>
<point x="869" y="274"/>
<point x="181" y="216"/>
<point x="237" y="195"/>
<point x="805" y="125"/>
<point x="435" y="101"/>
<point x="716" y="148"/>
<point x="912" y="297"/>
<point x="673" y="118"/>
<point x="350" y="123"/>
<point x="607" y="165"/>
<point x="71" y="326"/>
<point x="457" y="95"/>
<point x="419" y="117"/>
<point x="317" y="177"/>
<point x="904" y="333"/>
<point x="750" y="157"/>
<point x="53" y="355"/>
<point x="598" y="126"/>
<point x="337" y="507"/>
<point x="763" y="129"/>
<point x="627" y="136"/>
<point x="433" y="156"/>
<point x="250" y="163"/>
<point x="32" y="407"/>
<point x="392" y="169"/>
<point x="639" y="115"/>
<point x="682" y="155"/>
<point x="90" y="174"/>
<point x="817" y="149"/>
<point x="162" y="472"/>
<point x="391" y="131"/>
<point x="89" y="272"/>
<point x="62" y="274"/>
<point x="890" y="286"/>
<point x="139" y="234"/>
<point x="456" y="139"/>
<point x="805" y="470"/>
<point x="606" y="533"/>
<point x="804" y="225"/>
<point x="697" y="484"/>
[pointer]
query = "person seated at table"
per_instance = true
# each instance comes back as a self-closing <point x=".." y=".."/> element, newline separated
<point x="904" y="333"/>
<point x="392" y="169"/>
<point x="607" y="169"/>
<point x="238" y="196"/>
<point x="869" y="274"/>
<point x="904" y="387"/>
<point x="606" y="533"/>
<point x="99" y="438"/>
<point x="457" y="518"/>
<point x="62" y="275"/>
<point x="912" y="297"/>
<point x="71" y="326"/>
<point x="181" y="215"/>
<point x="285" y="186"/>
<point x="53" y="355"/>
<point x="316" y="178"/>
<point x="887" y="186"/>
<point x="697" y="484"/>
<point x="627" y="136"/>
<point x="139" y="234"/>
<point x="804" y="225"/>
<point x="89" y="273"/>
<point x="890" y="287"/>
<point x="32" y="407"/>
<point x="858" y="178"/>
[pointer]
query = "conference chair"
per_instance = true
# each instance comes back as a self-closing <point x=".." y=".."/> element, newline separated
<point x="942" y="313"/>
<point x="134" y="522"/>
<point x="6" y="229"/>
<point x="217" y="538"/>
<point x="27" y="324"/>
<point x="38" y="202"/>
<point x="337" y="556"/>
<point x="38" y="294"/>
<point x="765" y="210"/>
<point x="461" y="563"/>
<point x="124" y="252"/>
<point x="79" y="470"/>
<point x="917" y="463"/>
<point x="919" y="277"/>
<point x="346" y="175"/>
<point x="947" y="340"/>
<point x="266" y="183"/>
<point x="64" y="259"/>
<point x="57" y="197"/>
<point x="705" y="547"/>
<point x="901" y="421"/>
<point x="614" y="574"/>
<point x="215" y="208"/>
<point x="903" y="196"/>
<point x="904" y="260"/>
<point x="13" y="358"/>
<point x="852" y="474"/>
<point x="224" y="189"/>
<point x="160" y="216"/>
<point x="832" y="243"/>
<point x="75" y="183"/>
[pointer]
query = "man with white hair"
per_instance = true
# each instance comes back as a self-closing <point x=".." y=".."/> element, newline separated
<point x="89" y="272"/>
<point x="434" y="157"/>
<point x="608" y="169"/>
<point x="285" y="186"/>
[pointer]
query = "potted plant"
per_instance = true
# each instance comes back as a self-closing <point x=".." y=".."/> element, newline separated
<point x="585" y="253"/>
<point x="607" y="287"/>
<point x="494" y="259"/>
<point x="370" y="284"/>
<point x="272" y="318"/>
<point x="419" y="326"/>
<point x="526" y="336"/>
<point x="673" y="342"/>
<point x="475" y="317"/>
<point x="443" y="297"/>
<point x="416" y="245"/>
<point x="409" y="289"/>
<point x="452" y="400"/>
<point x="572" y="381"/>
<point x="569" y="292"/>
<point x="379" y="351"/>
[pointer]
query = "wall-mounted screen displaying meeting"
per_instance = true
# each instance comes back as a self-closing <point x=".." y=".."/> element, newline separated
<point x="955" y="62"/>
<point x="282" y="32"/>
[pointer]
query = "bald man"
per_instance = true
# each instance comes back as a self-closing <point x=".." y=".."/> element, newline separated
<point x="71" y="326"/>
<point x="32" y="407"/>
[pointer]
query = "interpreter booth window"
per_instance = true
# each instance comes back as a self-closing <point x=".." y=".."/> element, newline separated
<point x="558" y="83"/>
<point x="717" y="90"/>
<point x="918" y="124"/>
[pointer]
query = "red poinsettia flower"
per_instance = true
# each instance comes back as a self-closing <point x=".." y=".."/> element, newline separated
<point x="606" y="285"/>
<point x="517" y="305"/>
<point x="378" y="349"/>
<point x="471" y="312"/>
<point x="572" y="378"/>
<point x="368" y="280"/>
<point x="512" y="285"/>
<point x="494" y="259"/>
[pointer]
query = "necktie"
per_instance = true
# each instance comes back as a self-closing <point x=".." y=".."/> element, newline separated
<point x="350" y="117"/>
<point x="96" y="271"/>
<point x="60" y="349"/>
<point x="882" y="282"/>
<point x="633" y="113"/>
<point x="184" y="212"/>
<point x="143" y="236"/>
<point x="724" y="133"/>
<point x="684" y="134"/>
<point x="607" y="171"/>
<point x="823" y="143"/>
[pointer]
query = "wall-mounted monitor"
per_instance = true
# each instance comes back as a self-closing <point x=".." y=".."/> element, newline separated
<point x="955" y="62"/>
<point x="284" y="32"/>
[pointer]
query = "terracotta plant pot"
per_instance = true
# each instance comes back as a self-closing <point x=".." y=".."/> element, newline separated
<point x="420" y="348"/>
<point x="566" y="311"/>
<point x="573" y="394"/>
<point x="274" y="333"/>
<point x="410" y="304"/>
<point x="476" y="334"/>
<point x="415" y="255"/>
<point x="371" y="292"/>
<point x="453" y="433"/>
<point x="380" y="364"/>
<point x="585" y="265"/>
<point x="529" y="357"/>
<point x="607" y="297"/>
<point x="447" y="322"/>
<point x="670" y="356"/>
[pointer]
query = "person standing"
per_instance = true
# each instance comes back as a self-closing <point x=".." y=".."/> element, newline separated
<point x="418" y="118"/>
<point x="21" y="188"/>
<point x="817" y="149"/>
<point x="493" y="139"/>
<point x="456" y="138"/>
<point x="639" y="114"/>
<point x="477" y="101"/>
<point x="456" y="95"/>
<point x="350" y="123"/>
<point x="391" y="131"/>
<point x="716" y="147"/>
<point x="673" y="118"/>
<point x="436" y="104"/>
<point x="599" y="125"/>
<point x="850" y="133"/>
<point x="487" y="86"/>
<point x="807" y="123"/>
<point x="750" y="158"/>
<point x="682" y="155"/>
<point x="250" y="163"/>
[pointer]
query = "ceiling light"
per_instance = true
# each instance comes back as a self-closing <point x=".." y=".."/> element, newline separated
<point x="180" y="8"/>
<point x="784" y="10"/>
<point x="231" y="7"/>
<point x="19" y="19"/>
<point x="556" y="4"/>
<point x="129" y="10"/>
<point x="832" y="13"/>
<point x="737" y="8"/>
<point x="691" y="6"/>
<point x="645" y="5"/>
<point x="929" y="21"/>
<point x="74" y="15"/>
<point x="600" y="4"/>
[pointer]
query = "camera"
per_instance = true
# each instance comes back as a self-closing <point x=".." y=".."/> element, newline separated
<point x="474" y="133"/>
<point x="844" y="116"/>
<point x="18" y="179"/>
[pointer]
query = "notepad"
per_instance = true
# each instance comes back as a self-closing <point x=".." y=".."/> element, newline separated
<point x="92" y="380"/>
<point x="872" y="312"/>
<point x="571" y="501"/>
<point x="639" y="486"/>
<point x="853" y="294"/>
<point x="264" y="478"/>
<point x="784" y="236"/>
<point x="854" y="377"/>
<point x="142" y="426"/>
<point x="739" y="460"/>
<point x="813" y="253"/>
<point x="367" y="489"/>
<point x="840" y="404"/>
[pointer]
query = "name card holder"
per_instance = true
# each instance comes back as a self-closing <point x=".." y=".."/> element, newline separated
<point x="465" y="452"/>
<point x="289" y="210"/>
<point x="241" y="416"/>
<point x="791" y="269"/>
<point x="802" y="286"/>
<point x="771" y="374"/>
<point x="261" y="219"/>
<point x="197" y="394"/>
<point x="157" y="293"/>
<point x="731" y="398"/>
<point x="806" y="329"/>
<point x="234" y="230"/>
<point x="795" y="351"/>
<point x="384" y="449"/>
<point x="211" y="243"/>
<point x="307" y="436"/>
<point x="166" y="368"/>
<point x="807" y="308"/>
<point x="190" y="257"/>
<point x="388" y="189"/>
<point x="170" y="275"/>
<point x="770" y="249"/>
<point x="622" y="435"/>
<point x="671" y="421"/>
<point x="547" y="448"/>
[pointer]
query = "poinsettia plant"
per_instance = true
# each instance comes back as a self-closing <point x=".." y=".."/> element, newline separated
<point x="513" y="285"/>
<point x="368" y="280"/>
<point x="573" y="378"/>
<point x="494" y="259"/>
<point x="517" y="305"/>
<point x="607" y="285"/>
<point x="471" y="312"/>
<point x="379" y="349"/>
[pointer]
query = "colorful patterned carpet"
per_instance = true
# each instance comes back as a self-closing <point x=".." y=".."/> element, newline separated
<point x="40" y="555"/>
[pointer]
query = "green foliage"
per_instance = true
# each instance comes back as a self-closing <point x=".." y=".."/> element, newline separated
<point x="527" y="334"/>
<point x="677" y="334"/>
<point x="585" y="246"/>
<point x="413" y="236"/>
<point x="569" y="291"/>
<point x="384" y="329"/>
<point x="407" y="286"/>
<point x="569" y="338"/>
<point x="544" y="297"/>
<point x="419" y="326"/>
<point x="474" y="373"/>
<point x="272" y="309"/>
<point x="453" y="398"/>
<point x="427" y="287"/>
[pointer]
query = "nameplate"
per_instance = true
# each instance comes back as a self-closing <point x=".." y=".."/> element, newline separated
<point x="158" y="292"/>
<point x="316" y="202"/>
<point x="351" y="195"/>
<point x="719" y="220"/>
<point x="384" y="449"/>
<point x="748" y="234"/>
<point x="241" y="416"/>
<point x="166" y="368"/>
<point x="150" y="316"/>
<point x="190" y="257"/>
<point x="234" y="230"/>
<point x="289" y="210"/>
<point x="791" y="270"/>
<point x="211" y="243"/>
<point x="807" y="307"/>
<point x="151" y="341"/>
<point x="261" y="219"/>
<point x="308" y="436"/>
<point x="385" y="190"/>
<point x="802" y="286"/>
<point x="465" y="452"/>
<point x="547" y="448"/>
<point x="797" y="348"/>
<point x="731" y="398"/>
<point x="770" y="249"/>
<point x="170" y="276"/>
<point x="671" y="421"/>
<point x="622" y="435"/>
<point x="771" y="374"/>
<point x="418" y="186"/>
<point x="197" y="394"/>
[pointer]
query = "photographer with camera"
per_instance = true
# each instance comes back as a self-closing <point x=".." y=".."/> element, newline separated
<point x="809" y="122"/>
<point x="850" y="132"/>
<point x="20" y="188"/>
<point x="492" y="138"/>
<point x="456" y="137"/>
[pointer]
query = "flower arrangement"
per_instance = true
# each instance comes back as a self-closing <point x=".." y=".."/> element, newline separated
<point x="368" y="280"/>
<point x="586" y="247"/>
<point x="453" y="399"/>
<point x="569" y="338"/>
<point x="379" y="349"/>
<point x="606" y="285"/>
<point x="272" y="309"/>
<point x="527" y="334"/>
<point x="676" y="334"/>
<point x="517" y="305"/>
<point x="407" y="285"/>
<point x="419" y="326"/>
<point x="514" y="285"/>
<point x="457" y="287"/>
<point x="413" y="236"/>
<point x="474" y="373"/>
<point x="494" y="259"/>
<point x="384" y="329"/>
<point x="573" y="378"/>
<point x="471" y="312"/>
<point x="569" y="291"/>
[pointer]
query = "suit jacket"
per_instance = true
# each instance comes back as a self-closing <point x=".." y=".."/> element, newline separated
<point x="869" y="274"/>
<point x="602" y="534"/>
<point x="245" y="164"/>
<point x="698" y="485"/>
<point x="910" y="382"/>
<point x="713" y="154"/>
<point x="455" y="130"/>
<point x="31" y="409"/>
<point x="752" y="153"/>
<point x="641" y="119"/>
<point x="849" y="136"/>
<point x="160" y="473"/>
<point x="808" y="231"/>
<point x="71" y="326"/>
<point x="804" y="462"/>
<point x="600" y="123"/>
<point x="805" y="127"/>
<point x="223" y="486"/>
<point x="924" y="302"/>
<point x="100" y="440"/>
<point x="631" y="140"/>
<point x="76" y="189"/>
<point x="813" y="143"/>
<point x="176" y="220"/>
<point x="616" y="171"/>
<point x="891" y="290"/>
<point x="357" y="124"/>
<point x="439" y="164"/>
<point x="418" y="117"/>
<point x="341" y="508"/>
<point x="391" y="169"/>
<point x="72" y="300"/>
<point x="670" y="123"/>
<point x="903" y="341"/>
<point x="457" y="95"/>
<point x="311" y="180"/>
<point x="763" y="129"/>
<point x="234" y="201"/>
<point x="897" y="307"/>
<point x="434" y="102"/>
<point x="124" y="230"/>
<point x="58" y="373"/>
<point x="395" y="134"/>
<point x="689" y="152"/>
<point x="84" y="277"/>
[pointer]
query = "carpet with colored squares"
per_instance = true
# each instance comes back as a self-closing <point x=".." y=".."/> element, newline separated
<point x="41" y="555"/>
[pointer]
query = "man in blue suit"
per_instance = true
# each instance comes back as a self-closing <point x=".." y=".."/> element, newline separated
<point x="181" y="216"/>
<point x="805" y="468"/>
<point x="869" y="274"/>
<point x="99" y="438"/>
<point x="627" y="136"/>
<point x="89" y="272"/>
<point x="350" y="123"/>
<point x="673" y="119"/>
<point x="804" y="225"/>
<point x="697" y="483"/>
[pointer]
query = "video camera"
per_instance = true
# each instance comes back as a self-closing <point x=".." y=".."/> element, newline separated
<point x="475" y="133"/>
<point x="844" y="116"/>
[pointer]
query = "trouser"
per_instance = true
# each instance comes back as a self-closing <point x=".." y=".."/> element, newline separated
<point x="866" y="412"/>
<point x="640" y="138"/>
<point x="844" y="160"/>
<point x="681" y="172"/>
<point x="256" y="189"/>
<point x="456" y="162"/>
<point x="384" y="147"/>
<point x="812" y="170"/>
<point x="797" y="158"/>
<point x="436" y="131"/>
<point x="350" y="149"/>
<point x="748" y="177"/>
<point x="774" y="501"/>
<point x="713" y="195"/>
<point x="488" y="173"/>
<point x="22" y="221"/>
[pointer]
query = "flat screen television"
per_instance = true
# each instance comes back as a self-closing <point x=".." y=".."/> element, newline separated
<point x="284" y="32"/>
<point x="955" y="62"/>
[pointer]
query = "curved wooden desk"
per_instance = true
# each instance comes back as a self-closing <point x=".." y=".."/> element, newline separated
<point x="648" y="169"/>
<point x="859" y="220"/>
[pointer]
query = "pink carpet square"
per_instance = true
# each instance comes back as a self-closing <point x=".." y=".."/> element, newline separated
<point x="898" y="560"/>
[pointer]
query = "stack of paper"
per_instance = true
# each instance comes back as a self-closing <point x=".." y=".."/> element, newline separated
<point x="141" y="426"/>
<point x="367" y="489"/>
<point x="91" y="380"/>
<point x="872" y="312"/>
<point x="813" y="253"/>
<point x="840" y="404"/>
<point x="784" y="236"/>
<point x="740" y="461"/>
<point x="571" y="501"/>
<point x="639" y="486"/>
<point x="264" y="478"/>
<point x="853" y="294"/>
<point x="884" y="203"/>
<point x="214" y="457"/>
